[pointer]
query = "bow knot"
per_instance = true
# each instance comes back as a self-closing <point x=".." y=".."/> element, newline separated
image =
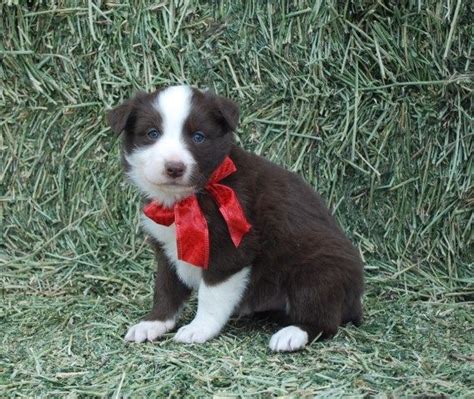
<point x="192" y="231"/>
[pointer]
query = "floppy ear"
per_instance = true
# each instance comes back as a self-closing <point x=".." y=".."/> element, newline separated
<point x="229" y="110"/>
<point x="117" y="117"/>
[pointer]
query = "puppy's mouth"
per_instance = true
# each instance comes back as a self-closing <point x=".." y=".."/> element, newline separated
<point x="175" y="186"/>
<point x="180" y="186"/>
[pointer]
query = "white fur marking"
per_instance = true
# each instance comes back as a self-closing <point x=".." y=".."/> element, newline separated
<point x="148" y="163"/>
<point x="289" y="339"/>
<point x="215" y="305"/>
<point x="149" y="330"/>
<point x="190" y="275"/>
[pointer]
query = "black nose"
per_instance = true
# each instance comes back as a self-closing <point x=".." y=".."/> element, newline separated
<point x="175" y="169"/>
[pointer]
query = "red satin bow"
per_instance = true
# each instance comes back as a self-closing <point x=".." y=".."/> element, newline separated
<point x="192" y="232"/>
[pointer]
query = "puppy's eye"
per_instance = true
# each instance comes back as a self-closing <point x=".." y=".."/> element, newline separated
<point x="153" y="134"/>
<point x="198" y="137"/>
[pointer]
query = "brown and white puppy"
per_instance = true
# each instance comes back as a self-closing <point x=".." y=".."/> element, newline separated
<point x="295" y="261"/>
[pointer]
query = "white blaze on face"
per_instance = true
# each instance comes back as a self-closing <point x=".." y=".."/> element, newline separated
<point x="148" y="163"/>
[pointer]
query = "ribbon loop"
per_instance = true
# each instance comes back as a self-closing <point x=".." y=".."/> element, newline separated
<point x="159" y="214"/>
<point x="232" y="212"/>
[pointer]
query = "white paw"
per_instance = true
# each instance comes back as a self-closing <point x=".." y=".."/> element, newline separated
<point x="289" y="339"/>
<point x="194" y="333"/>
<point x="148" y="330"/>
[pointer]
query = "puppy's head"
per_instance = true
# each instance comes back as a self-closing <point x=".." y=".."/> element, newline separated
<point x="174" y="139"/>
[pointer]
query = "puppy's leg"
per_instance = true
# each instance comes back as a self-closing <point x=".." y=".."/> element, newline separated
<point x="316" y="297"/>
<point x="170" y="294"/>
<point x="215" y="305"/>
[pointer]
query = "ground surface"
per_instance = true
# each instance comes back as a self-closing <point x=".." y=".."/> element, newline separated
<point x="369" y="102"/>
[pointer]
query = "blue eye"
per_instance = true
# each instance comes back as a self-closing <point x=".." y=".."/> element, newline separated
<point x="153" y="134"/>
<point x="198" y="137"/>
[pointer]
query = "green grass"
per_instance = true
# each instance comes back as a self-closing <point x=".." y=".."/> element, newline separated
<point x="370" y="102"/>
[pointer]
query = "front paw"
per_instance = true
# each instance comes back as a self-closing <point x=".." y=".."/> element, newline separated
<point x="148" y="330"/>
<point x="194" y="333"/>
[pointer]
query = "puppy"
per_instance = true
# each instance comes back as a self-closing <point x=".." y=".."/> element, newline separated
<point x="244" y="233"/>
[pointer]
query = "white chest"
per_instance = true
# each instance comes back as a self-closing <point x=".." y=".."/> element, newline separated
<point x="190" y="275"/>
